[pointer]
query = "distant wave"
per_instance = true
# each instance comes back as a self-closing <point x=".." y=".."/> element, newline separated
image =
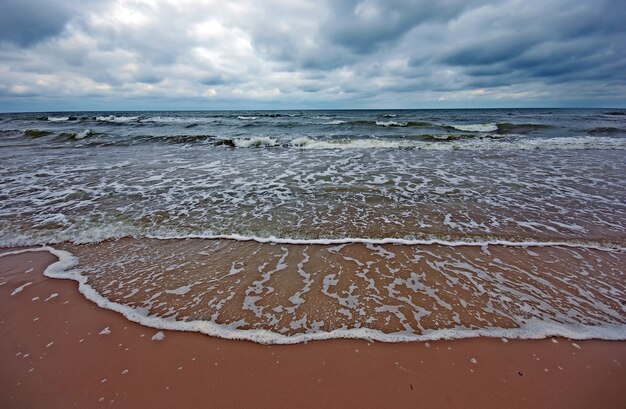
<point x="421" y="141"/>
<point x="117" y="119"/>
<point x="189" y="120"/>
<point x="391" y="123"/>
<point x="256" y="115"/>
<point x="188" y="138"/>
<point x="499" y="128"/>
<point x="444" y="142"/>
<point x="599" y="139"/>
<point x="490" y="127"/>
<point x="58" y="118"/>
<point x="404" y="124"/>
<point x="277" y="115"/>
<point x="258" y="142"/>
<point x="176" y="139"/>
<point x="77" y="135"/>
<point x="508" y="128"/>
<point x="605" y="130"/>
<point x="36" y="133"/>
<point x="446" y="137"/>
<point x="307" y="143"/>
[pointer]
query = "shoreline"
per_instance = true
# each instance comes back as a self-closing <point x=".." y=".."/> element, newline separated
<point x="117" y="363"/>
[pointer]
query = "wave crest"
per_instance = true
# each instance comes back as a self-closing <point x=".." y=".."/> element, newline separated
<point x="117" y="119"/>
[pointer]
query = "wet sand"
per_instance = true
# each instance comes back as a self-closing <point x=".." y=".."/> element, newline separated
<point x="400" y="292"/>
<point x="59" y="350"/>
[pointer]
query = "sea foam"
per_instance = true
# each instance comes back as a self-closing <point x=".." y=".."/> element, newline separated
<point x="58" y="118"/>
<point x="490" y="127"/>
<point x="531" y="329"/>
<point x="117" y="119"/>
<point x="65" y="268"/>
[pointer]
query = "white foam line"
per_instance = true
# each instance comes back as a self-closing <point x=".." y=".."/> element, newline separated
<point x="15" y="252"/>
<point x="532" y="329"/>
<point x="407" y="242"/>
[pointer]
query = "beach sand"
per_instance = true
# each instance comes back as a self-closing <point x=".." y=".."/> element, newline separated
<point x="59" y="350"/>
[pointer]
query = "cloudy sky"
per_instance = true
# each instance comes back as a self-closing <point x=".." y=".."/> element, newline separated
<point x="205" y="54"/>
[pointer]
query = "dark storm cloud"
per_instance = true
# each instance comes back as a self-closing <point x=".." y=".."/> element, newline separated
<point x="559" y="42"/>
<point x="347" y="52"/>
<point x="364" y="26"/>
<point x="27" y="22"/>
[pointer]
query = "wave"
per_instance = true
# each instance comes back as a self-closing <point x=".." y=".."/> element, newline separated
<point x="275" y="115"/>
<point x="364" y="122"/>
<point x="258" y="142"/>
<point x="490" y="127"/>
<point x="407" y="124"/>
<point x="605" y="130"/>
<point x="469" y="142"/>
<point x="58" y="118"/>
<point x="188" y="138"/>
<point x="532" y="328"/>
<point x="463" y="142"/>
<point x="499" y="128"/>
<point x="175" y="139"/>
<point x="194" y="121"/>
<point x="444" y="141"/>
<point x="615" y="113"/>
<point x="257" y="115"/>
<point x="307" y="143"/>
<point x="522" y="129"/>
<point x="446" y="137"/>
<point x="391" y="123"/>
<point x="36" y="133"/>
<point x="77" y="135"/>
<point x="117" y="119"/>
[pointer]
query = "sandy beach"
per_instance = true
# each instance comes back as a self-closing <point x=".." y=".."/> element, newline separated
<point x="59" y="350"/>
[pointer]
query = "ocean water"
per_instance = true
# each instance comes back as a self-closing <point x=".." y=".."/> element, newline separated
<point x="286" y="226"/>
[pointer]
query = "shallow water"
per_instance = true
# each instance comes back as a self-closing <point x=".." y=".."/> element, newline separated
<point x="239" y="289"/>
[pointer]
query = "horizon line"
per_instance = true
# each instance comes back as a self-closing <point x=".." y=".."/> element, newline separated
<point x="311" y="109"/>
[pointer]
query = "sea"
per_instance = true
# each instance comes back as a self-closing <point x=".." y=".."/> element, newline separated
<point x="284" y="227"/>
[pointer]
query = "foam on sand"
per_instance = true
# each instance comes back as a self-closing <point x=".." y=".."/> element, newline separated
<point x="65" y="268"/>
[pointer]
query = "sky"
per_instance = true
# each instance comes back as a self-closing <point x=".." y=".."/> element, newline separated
<point x="293" y="54"/>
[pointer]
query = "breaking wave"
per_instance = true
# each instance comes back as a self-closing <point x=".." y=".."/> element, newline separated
<point x="117" y="119"/>
<point x="78" y="134"/>
<point x="475" y="127"/>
